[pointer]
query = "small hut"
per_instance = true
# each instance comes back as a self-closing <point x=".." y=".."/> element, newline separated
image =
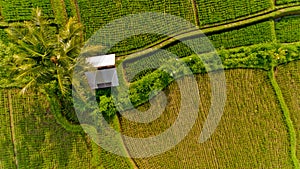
<point x="106" y="74"/>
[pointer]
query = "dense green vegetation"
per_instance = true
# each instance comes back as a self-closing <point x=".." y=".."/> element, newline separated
<point x="281" y="2"/>
<point x="253" y="34"/>
<point x="7" y="153"/>
<point x="41" y="142"/>
<point x="216" y="11"/>
<point x="94" y="16"/>
<point x="59" y="10"/>
<point x="255" y="56"/>
<point x="45" y="56"/>
<point x="21" y="10"/>
<point x="287" y="29"/>
<point x="259" y="129"/>
<point x="135" y="42"/>
<point x="3" y="35"/>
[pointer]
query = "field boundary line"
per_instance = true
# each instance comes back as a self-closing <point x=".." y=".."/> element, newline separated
<point x="12" y="127"/>
<point x="287" y="119"/>
<point x="273" y="31"/>
<point x="118" y="125"/>
<point x="273" y="2"/>
<point x="55" y="108"/>
<point x="196" y="14"/>
<point x="278" y="12"/>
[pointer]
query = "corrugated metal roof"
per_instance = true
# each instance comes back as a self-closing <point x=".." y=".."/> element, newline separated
<point x="101" y="61"/>
<point x="102" y="78"/>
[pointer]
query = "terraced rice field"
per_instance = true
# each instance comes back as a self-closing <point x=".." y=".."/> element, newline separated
<point x="42" y="143"/>
<point x="251" y="134"/>
<point x="253" y="34"/>
<point x="21" y="10"/>
<point x="288" y="78"/>
<point x="288" y="29"/>
<point x="94" y="16"/>
<point x="217" y="11"/>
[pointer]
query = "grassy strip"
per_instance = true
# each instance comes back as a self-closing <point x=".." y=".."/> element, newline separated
<point x="151" y="44"/>
<point x="273" y="5"/>
<point x="56" y="109"/>
<point x="259" y="56"/>
<point x="108" y="159"/>
<point x="117" y="126"/>
<point x="214" y="28"/>
<point x="273" y="32"/>
<point x="287" y="118"/>
<point x="288" y="79"/>
<point x="192" y="33"/>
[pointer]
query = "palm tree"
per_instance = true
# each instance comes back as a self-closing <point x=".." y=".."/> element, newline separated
<point x="48" y="54"/>
<point x="45" y="61"/>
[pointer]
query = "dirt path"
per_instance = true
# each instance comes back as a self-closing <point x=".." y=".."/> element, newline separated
<point x="12" y="127"/>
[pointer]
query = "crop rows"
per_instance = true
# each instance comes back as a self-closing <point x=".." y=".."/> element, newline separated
<point x="96" y="13"/>
<point x="288" y="78"/>
<point x="3" y="36"/>
<point x="145" y="64"/>
<point x="42" y="143"/>
<point x="253" y="34"/>
<point x="251" y="133"/>
<point x="134" y="42"/>
<point x="21" y="10"/>
<point x="136" y="69"/>
<point x="60" y="13"/>
<point x="284" y="2"/>
<point x="215" y="11"/>
<point x="70" y="8"/>
<point x="288" y="29"/>
<point x="110" y="160"/>
<point x="6" y="145"/>
<point x="184" y="48"/>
